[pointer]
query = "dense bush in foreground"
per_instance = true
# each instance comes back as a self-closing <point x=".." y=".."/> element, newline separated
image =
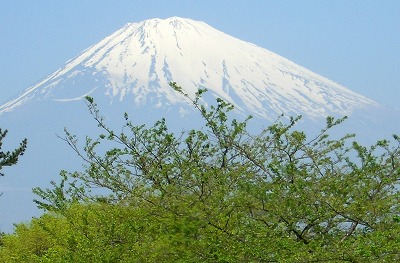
<point x="217" y="194"/>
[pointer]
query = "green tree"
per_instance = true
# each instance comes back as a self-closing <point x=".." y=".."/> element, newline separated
<point x="218" y="194"/>
<point x="8" y="158"/>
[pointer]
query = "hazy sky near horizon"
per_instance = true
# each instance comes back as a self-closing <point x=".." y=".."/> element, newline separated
<point x="355" y="43"/>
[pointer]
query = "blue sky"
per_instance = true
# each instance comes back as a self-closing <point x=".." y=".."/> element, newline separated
<point x="355" y="43"/>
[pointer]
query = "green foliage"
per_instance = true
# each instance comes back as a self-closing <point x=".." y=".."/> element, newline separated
<point x="8" y="158"/>
<point x="217" y="194"/>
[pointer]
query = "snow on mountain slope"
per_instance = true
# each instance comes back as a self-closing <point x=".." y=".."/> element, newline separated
<point x="137" y="62"/>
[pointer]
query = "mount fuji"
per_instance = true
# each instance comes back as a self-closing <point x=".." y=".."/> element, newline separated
<point x="137" y="62"/>
<point x="129" y="71"/>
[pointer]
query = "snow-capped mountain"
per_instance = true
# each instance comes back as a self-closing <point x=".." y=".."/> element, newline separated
<point x="136" y="63"/>
<point x="129" y="71"/>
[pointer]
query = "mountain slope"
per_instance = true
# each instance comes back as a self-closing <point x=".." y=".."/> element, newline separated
<point x="138" y="61"/>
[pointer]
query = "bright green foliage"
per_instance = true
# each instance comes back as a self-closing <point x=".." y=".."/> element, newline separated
<point x="217" y="194"/>
<point x="10" y="158"/>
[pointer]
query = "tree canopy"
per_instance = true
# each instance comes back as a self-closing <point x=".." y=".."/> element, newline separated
<point x="217" y="194"/>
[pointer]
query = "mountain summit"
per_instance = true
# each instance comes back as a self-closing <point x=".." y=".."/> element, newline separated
<point x="137" y="62"/>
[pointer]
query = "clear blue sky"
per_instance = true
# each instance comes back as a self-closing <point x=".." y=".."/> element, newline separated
<point x="355" y="43"/>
